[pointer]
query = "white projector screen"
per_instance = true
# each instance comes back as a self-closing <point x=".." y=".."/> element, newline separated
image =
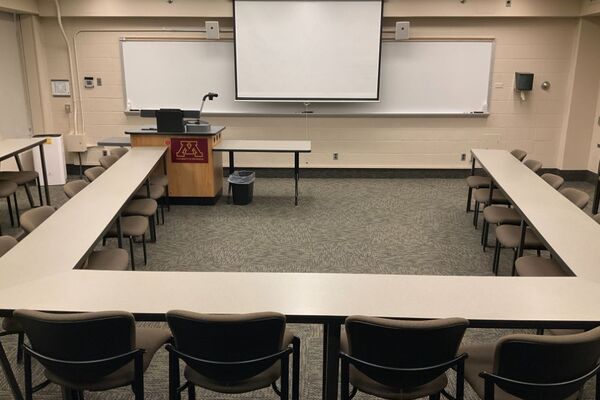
<point x="306" y="50"/>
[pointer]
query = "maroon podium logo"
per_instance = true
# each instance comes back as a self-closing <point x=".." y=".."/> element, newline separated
<point x="189" y="150"/>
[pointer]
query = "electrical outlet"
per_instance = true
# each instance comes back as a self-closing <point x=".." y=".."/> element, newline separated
<point x="335" y="156"/>
<point x="463" y="157"/>
<point x="68" y="108"/>
<point x="104" y="152"/>
<point x="508" y="3"/>
<point x="99" y="81"/>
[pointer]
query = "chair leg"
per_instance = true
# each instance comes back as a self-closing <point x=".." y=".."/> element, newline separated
<point x="29" y="196"/>
<point x="10" y="212"/>
<point x="20" y="344"/>
<point x="168" y="200"/>
<point x="10" y="376"/>
<point x="344" y="380"/>
<point x="434" y="396"/>
<point x="152" y="229"/>
<point x="475" y="214"/>
<point x="191" y="391"/>
<point x="514" y="262"/>
<point x="131" y="253"/>
<point x="144" y="248"/>
<point x="162" y="212"/>
<point x="496" y="261"/>
<point x="173" y="377"/>
<point x="484" y="229"/>
<point x="17" y="209"/>
<point x="285" y="378"/>
<point x="39" y="188"/>
<point x="469" y="195"/>
<point x="296" y="369"/>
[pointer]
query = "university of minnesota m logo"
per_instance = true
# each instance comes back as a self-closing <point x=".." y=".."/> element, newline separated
<point x="189" y="150"/>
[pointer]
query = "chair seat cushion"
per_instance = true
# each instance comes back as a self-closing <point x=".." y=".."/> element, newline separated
<point x="143" y="207"/>
<point x="11" y="325"/>
<point x="160" y="180"/>
<point x="483" y="195"/>
<point x="108" y="260"/>
<point x="510" y="235"/>
<point x="538" y="266"/>
<point x="134" y="225"/>
<point x="149" y="339"/>
<point x="476" y="181"/>
<point x="156" y="192"/>
<point x="501" y="215"/>
<point x="7" y="188"/>
<point x="481" y="358"/>
<point x="19" y="177"/>
<point x="365" y="384"/>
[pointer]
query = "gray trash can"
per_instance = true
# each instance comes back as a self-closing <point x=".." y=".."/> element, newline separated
<point x="242" y="185"/>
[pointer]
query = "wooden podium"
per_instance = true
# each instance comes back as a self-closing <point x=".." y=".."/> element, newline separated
<point x="195" y="173"/>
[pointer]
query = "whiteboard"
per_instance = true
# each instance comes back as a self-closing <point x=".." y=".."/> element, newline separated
<point x="298" y="50"/>
<point x="417" y="77"/>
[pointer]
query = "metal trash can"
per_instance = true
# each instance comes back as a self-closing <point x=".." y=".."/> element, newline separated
<point x="242" y="185"/>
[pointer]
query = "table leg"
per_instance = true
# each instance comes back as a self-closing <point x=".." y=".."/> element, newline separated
<point x="231" y="170"/>
<point x="472" y="165"/>
<point x="331" y="350"/>
<point x="296" y="174"/>
<point x="10" y="376"/>
<point x="80" y="165"/>
<point x="521" y="245"/>
<point x="119" y="233"/>
<point x="44" y="174"/>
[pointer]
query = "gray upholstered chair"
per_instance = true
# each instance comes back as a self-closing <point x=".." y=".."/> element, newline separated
<point x="534" y="366"/>
<point x="33" y="218"/>
<point x="553" y="180"/>
<point x="401" y="359"/>
<point x="479" y="182"/>
<point x="107" y="161"/>
<point x="482" y="196"/>
<point x="146" y="208"/>
<point x="156" y="193"/>
<point x="232" y="353"/>
<point x="132" y="227"/>
<point x="74" y="187"/>
<point x="499" y="215"/>
<point x="119" y="152"/>
<point x="7" y="189"/>
<point x="24" y="178"/>
<point x="89" y="351"/>
<point x="92" y="173"/>
<point x="540" y="266"/>
<point x="509" y="236"/>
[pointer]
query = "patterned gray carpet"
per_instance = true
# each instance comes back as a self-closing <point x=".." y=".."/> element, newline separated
<point x="389" y="226"/>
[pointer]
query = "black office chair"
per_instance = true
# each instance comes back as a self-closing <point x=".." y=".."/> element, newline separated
<point x="88" y="351"/>
<point x="401" y="359"/>
<point x="534" y="366"/>
<point x="232" y="353"/>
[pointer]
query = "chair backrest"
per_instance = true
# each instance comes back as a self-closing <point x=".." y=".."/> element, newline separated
<point x="229" y="339"/>
<point x="119" y="152"/>
<point x="107" y="161"/>
<point x="31" y="219"/>
<point x="545" y="359"/>
<point x="7" y="243"/>
<point x="403" y="344"/>
<point x="93" y="173"/>
<point x="74" y="187"/>
<point x="596" y="218"/>
<point x="533" y="165"/>
<point x="553" y="180"/>
<point x="577" y="197"/>
<point x="79" y="337"/>
<point x="519" y="154"/>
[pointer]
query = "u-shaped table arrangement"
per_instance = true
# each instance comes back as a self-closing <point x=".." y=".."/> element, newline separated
<point x="41" y="272"/>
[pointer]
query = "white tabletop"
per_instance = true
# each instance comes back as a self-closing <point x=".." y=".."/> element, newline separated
<point x="63" y="240"/>
<point x="37" y="274"/>
<point x="568" y="231"/>
<point x="266" y="146"/>
<point x="10" y="147"/>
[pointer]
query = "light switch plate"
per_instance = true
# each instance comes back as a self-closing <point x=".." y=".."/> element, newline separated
<point x="402" y="30"/>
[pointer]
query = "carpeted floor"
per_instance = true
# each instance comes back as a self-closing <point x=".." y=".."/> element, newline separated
<point x="389" y="226"/>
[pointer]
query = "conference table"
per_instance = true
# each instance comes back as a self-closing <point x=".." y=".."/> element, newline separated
<point x="266" y="146"/>
<point x="36" y="275"/>
<point x="15" y="146"/>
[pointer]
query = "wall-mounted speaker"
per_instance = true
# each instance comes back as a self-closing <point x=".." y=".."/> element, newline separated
<point x="523" y="81"/>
